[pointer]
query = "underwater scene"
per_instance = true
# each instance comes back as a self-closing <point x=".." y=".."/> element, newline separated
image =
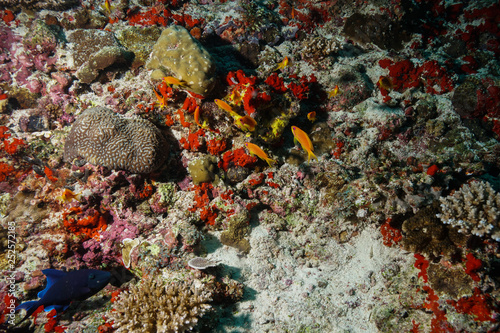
<point x="278" y="166"/>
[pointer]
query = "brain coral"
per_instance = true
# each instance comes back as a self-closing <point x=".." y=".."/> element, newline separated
<point x="177" y="53"/>
<point x="157" y="307"/>
<point x="105" y="138"/>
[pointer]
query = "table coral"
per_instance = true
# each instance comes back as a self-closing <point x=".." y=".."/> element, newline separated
<point x="111" y="140"/>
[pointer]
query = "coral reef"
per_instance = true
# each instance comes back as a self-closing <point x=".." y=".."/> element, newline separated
<point x="90" y="51"/>
<point x="177" y="53"/>
<point x="111" y="140"/>
<point x="202" y="169"/>
<point x="424" y="233"/>
<point x="36" y="4"/>
<point x="377" y="29"/>
<point x="140" y="41"/>
<point x="157" y="306"/>
<point x="400" y="101"/>
<point x="474" y="209"/>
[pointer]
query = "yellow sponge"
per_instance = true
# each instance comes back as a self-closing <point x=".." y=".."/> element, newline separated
<point x="176" y="53"/>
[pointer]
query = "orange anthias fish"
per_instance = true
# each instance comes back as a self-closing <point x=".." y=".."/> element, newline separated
<point x="224" y="106"/>
<point x="246" y="123"/>
<point x="301" y="137"/>
<point x="312" y="116"/>
<point x="68" y="195"/>
<point x="170" y="80"/>
<point x="282" y="64"/>
<point x="333" y="92"/>
<point x="161" y="99"/>
<point x="257" y="151"/>
<point x="197" y="118"/>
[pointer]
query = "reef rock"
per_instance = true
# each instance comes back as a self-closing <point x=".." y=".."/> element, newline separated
<point x="178" y="54"/>
<point x="111" y="140"/>
<point x="91" y="51"/>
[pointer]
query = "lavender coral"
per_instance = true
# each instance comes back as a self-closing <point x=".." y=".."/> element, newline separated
<point x="474" y="208"/>
<point x="157" y="307"/>
<point x="108" y="139"/>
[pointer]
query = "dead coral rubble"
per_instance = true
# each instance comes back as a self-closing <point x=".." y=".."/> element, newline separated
<point x="474" y="208"/>
<point x="157" y="307"/>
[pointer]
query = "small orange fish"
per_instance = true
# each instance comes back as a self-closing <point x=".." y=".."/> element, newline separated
<point x="246" y="123"/>
<point x="256" y="150"/>
<point x="224" y="106"/>
<point x="282" y="64"/>
<point x="197" y="116"/>
<point x="161" y="100"/>
<point x="312" y="116"/>
<point x="301" y="137"/>
<point x="170" y="80"/>
<point x="68" y="195"/>
<point x="334" y="92"/>
<point x="385" y="82"/>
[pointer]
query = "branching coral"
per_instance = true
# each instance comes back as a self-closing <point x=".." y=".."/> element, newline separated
<point x="474" y="208"/>
<point x="157" y="307"/>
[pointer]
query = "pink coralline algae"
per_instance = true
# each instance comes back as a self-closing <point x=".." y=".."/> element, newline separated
<point x="104" y="248"/>
<point x="36" y="52"/>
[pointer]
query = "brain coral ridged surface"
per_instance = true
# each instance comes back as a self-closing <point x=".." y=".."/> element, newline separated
<point x="105" y="138"/>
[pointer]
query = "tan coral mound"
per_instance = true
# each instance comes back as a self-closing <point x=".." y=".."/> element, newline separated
<point x="154" y="306"/>
<point x="474" y="208"/>
<point x="178" y="54"/>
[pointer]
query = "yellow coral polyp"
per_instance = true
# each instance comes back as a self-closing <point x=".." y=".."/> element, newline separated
<point x="277" y="126"/>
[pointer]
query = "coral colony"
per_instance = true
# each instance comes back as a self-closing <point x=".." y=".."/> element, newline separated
<point x="249" y="166"/>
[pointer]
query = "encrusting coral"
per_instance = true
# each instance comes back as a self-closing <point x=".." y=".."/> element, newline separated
<point x="474" y="208"/>
<point x="154" y="306"/>
<point x="177" y="52"/>
<point x="111" y="140"/>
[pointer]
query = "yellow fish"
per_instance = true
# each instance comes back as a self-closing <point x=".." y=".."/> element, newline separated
<point x="301" y="137"/>
<point x="334" y="92"/>
<point x="256" y="150"/>
<point x="282" y="64"/>
<point x="170" y="80"/>
<point x="107" y="6"/>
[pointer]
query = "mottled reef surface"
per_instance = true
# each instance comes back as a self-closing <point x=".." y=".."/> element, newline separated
<point x="253" y="166"/>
